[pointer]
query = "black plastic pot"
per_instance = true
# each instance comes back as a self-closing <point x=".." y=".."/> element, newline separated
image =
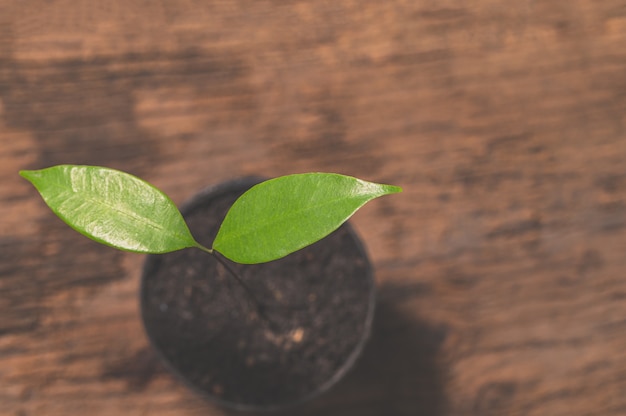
<point x="289" y="330"/>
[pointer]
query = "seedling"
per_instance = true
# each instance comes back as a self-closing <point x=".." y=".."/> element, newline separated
<point x="269" y="221"/>
<point x="289" y="333"/>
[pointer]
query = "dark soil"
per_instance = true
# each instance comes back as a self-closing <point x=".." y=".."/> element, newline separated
<point x="298" y="332"/>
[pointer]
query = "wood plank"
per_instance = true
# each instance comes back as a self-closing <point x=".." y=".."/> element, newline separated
<point x="501" y="266"/>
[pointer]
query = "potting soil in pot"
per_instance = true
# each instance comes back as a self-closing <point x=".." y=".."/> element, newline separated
<point x="286" y="333"/>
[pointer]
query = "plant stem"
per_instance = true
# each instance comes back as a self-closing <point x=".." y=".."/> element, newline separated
<point x="260" y="309"/>
<point x="203" y="248"/>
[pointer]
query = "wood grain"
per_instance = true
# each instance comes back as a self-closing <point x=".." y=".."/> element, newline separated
<point x="501" y="266"/>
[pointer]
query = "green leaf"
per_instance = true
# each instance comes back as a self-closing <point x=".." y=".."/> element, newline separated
<point x="112" y="207"/>
<point x="282" y="215"/>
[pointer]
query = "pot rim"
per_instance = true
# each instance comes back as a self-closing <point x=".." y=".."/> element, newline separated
<point x="215" y="191"/>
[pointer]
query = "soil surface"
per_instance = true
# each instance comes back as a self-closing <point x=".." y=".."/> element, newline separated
<point x="285" y="333"/>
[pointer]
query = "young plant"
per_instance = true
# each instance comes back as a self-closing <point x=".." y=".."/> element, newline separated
<point x="269" y="221"/>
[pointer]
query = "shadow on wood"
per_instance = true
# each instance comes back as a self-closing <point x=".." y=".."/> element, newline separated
<point x="398" y="373"/>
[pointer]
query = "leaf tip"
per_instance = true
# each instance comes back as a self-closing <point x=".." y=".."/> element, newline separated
<point x="29" y="175"/>
<point x="394" y="189"/>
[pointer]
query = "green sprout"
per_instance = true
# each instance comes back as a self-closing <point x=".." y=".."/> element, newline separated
<point x="269" y="221"/>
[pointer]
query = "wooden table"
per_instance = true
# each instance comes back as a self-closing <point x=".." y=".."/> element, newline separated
<point x="502" y="267"/>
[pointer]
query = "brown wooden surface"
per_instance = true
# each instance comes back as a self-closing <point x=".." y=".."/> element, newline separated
<point x="502" y="268"/>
